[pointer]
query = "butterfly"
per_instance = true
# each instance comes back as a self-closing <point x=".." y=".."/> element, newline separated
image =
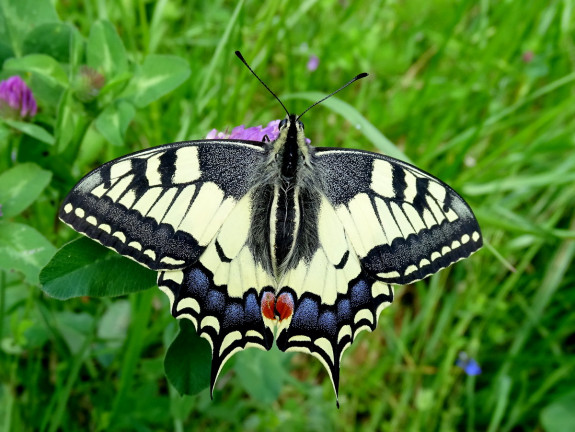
<point x="257" y="241"/>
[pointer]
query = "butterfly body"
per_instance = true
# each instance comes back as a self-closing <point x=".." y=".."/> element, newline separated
<point x="256" y="240"/>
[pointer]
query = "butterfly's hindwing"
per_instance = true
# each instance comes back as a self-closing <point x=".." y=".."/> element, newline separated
<point x="162" y="206"/>
<point x="334" y="299"/>
<point x="403" y="223"/>
<point x="222" y="293"/>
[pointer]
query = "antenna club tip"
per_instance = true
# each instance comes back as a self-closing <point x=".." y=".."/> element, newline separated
<point x="361" y="75"/>
<point x="239" y="54"/>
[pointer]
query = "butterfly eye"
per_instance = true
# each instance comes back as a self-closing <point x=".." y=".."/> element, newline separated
<point x="300" y="124"/>
<point x="283" y="124"/>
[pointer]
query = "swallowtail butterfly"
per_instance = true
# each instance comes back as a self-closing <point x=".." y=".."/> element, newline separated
<point x="260" y="239"/>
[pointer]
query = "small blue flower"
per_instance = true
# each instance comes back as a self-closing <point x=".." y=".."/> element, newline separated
<point x="313" y="63"/>
<point x="468" y="364"/>
<point x="16" y="99"/>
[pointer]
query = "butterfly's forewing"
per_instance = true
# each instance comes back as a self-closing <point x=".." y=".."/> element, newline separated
<point x="403" y="223"/>
<point x="162" y="206"/>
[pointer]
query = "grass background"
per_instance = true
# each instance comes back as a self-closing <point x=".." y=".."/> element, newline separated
<point x="479" y="93"/>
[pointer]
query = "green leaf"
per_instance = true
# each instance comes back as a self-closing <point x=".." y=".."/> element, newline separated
<point x="74" y="328"/>
<point x="86" y="268"/>
<point x="41" y="64"/>
<point x="24" y="15"/>
<point x="105" y="50"/>
<point x="559" y="415"/>
<point x="188" y="361"/>
<point x="32" y="130"/>
<point x="70" y="121"/>
<point x="261" y="373"/>
<point x="21" y="185"/>
<point x="24" y="249"/>
<point x="52" y="39"/>
<point x="159" y="75"/>
<point x="113" y="122"/>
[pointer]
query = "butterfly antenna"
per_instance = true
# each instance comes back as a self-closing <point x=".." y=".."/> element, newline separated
<point x="357" y="77"/>
<point x="241" y="57"/>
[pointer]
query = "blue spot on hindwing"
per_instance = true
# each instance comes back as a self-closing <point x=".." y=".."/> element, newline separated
<point x="343" y="311"/>
<point x="305" y="316"/>
<point x="198" y="282"/>
<point x="216" y="301"/>
<point x="328" y="324"/>
<point x="360" y="294"/>
<point x="252" y="310"/>
<point x="234" y="315"/>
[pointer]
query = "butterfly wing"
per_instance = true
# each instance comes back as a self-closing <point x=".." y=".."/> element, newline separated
<point x="162" y="206"/>
<point x="334" y="298"/>
<point x="222" y="292"/>
<point x="403" y="223"/>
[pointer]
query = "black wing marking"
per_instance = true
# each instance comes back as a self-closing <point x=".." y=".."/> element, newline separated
<point x="162" y="206"/>
<point x="222" y="293"/>
<point x="403" y="223"/>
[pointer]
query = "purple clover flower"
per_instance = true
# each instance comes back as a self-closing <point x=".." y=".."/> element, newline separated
<point x="468" y="364"/>
<point x="255" y="133"/>
<point x="313" y="63"/>
<point x="16" y="99"/>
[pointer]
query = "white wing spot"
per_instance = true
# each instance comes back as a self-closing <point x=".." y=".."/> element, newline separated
<point x="410" y="269"/>
<point x="105" y="228"/>
<point x="343" y="332"/>
<point x="254" y="333"/>
<point x="435" y="255"/>
<point x="175" y="276"/>
<point x="79" y="212"/>
<point x="92" y="220"/>
<point x="392" y="274"/>
<point x="464" y="238"/>
<point x="475" y="236"/>
<point x="135" y="245"/>
<point x="445" y="250"/>
<point x="210" y="321"/>
<point x="150" y="253"/>
<point x="382" y="178"/>
<point x="152" y="170"/>
<point x="120" y="235"/>
<point x="68" y="208"/>
<point x="229" y="339"/>
<point x="171" y="261"/>
<point x="187" y="167"/>
<point x="189" y="302"/>
<point x="325" y="346"/>
<point x="363" y="314"/>
<point x="299" y="338"/>
<point x="120" y="168"/>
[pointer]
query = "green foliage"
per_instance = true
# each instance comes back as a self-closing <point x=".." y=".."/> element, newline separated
<point x="83" y="268"/>
<point x="480" y="94"/>
<point x="191" y="350"/>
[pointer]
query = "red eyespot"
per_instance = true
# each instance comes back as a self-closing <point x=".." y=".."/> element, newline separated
<point x="284" y="306"/>
<point x="268" y="305"/>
